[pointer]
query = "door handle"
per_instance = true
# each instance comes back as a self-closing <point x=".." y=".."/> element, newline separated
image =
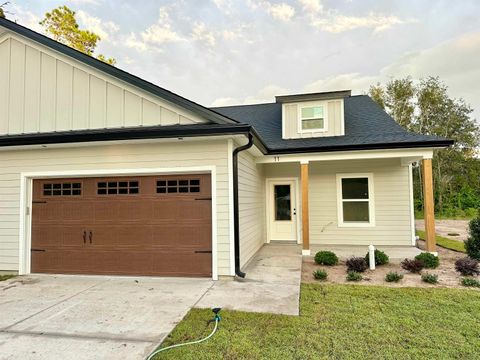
<point x="84" y="237"/>
<point x="90" y="236"/>
<point x="294" y="211"/>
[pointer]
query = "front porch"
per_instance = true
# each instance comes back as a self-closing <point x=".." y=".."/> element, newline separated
<point x="348" y="201"/>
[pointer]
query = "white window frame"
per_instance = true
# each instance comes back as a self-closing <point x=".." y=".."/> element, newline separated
<point x="371" y="200"/>
<point x="301" y="106"/>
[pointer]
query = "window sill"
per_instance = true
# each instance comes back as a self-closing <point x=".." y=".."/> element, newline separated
<point x="356" y="225"/>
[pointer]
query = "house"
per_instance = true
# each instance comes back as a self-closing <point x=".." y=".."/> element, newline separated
<point x="102" y="172"/>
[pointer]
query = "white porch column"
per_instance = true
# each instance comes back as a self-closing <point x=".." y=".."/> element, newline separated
<point x="305" y="213"/>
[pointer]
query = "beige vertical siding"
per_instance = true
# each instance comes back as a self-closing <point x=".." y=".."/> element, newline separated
<point x="334" y="114"/>
<point x="153" y="155"/>
<point x="392" y="207"/>
<point x="42" y="91"/>
<point x="251" y="186"/>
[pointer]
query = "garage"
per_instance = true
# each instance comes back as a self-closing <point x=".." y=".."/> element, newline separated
<point x="135" y="225"/>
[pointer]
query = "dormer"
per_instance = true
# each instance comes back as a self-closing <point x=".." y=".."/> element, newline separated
<point x="313" y="115"/>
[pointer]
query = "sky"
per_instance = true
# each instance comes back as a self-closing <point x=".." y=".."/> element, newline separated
<point x="224" y="52"/>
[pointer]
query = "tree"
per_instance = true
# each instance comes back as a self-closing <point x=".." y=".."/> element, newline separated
<point x="62" y="25"/>
<point x="425" y="107"/>
<point x="2" y="12"/>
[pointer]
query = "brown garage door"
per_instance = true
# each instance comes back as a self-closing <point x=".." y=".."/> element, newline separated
<point x="143" y="225"/>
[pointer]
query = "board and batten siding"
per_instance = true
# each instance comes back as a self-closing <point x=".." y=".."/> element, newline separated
<point x="109" y="157"/>
<point x="335" y="120"/>
<point x="251" y="186"/>
<point x="45" y="91"/>
<point x="391" y="193"/>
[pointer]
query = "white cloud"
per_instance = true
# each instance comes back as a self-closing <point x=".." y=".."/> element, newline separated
<point x="156" y="34"/>
<point x="86" y="2"/>
<point x="24" y="17"/>
<point x="223" y="5"/>
<point x="281" y="11"/>
<point x="265" y="95"/>
<point x="336" y="23"/>
<point x="314" y="6"/>
<point x="201" y="33"/>
<point x="99" y="26"/>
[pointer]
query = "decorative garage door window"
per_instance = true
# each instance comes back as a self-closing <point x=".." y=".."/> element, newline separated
<point x="117" y="187"/>
<point x="62" y="189"/>
<point x="175" y="186"/>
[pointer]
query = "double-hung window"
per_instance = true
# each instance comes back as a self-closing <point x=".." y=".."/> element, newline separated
<point x="355" y="200"/>
<point x="312" y="118"/>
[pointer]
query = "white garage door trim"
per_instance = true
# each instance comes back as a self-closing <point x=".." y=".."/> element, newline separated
<point x="26" y="186"/>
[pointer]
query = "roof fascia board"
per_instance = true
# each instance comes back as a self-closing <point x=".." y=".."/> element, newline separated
<point x="313" y="96"/>
<point x="118" y="73"/>
<point x="424" y="153"/>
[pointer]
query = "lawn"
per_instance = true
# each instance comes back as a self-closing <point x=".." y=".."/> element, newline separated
<point x="454" y="245"/>
<point x="6" y="277"/>
<point x="343" y="322"/>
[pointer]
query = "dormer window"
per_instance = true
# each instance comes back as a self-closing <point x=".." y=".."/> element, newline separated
<point x="312" y="118"/>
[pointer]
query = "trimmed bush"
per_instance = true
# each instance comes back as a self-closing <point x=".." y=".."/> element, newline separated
<point x="472" y="244"/>
<point x="470" y="282"/>
<point x="430" y="261"/>
<point x="320" y="275"/>
<point x="413" y="265"/>
<point x="430" y="278"/>
<point x="354" y="276"/>
<point x="393" y="276"/>
<point x="356" y="264"/>
<point x="380" y="258"/>
<point x="467" y="266"/>
<point x="326" y="258"/>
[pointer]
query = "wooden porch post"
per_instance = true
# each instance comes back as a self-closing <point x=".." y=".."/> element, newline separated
<point x="428" y="205"/>
<point x="305" y="215"/>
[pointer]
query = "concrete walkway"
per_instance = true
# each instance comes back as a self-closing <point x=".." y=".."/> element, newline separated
<point x="89" y="317"/>
<point x="272" y="284"/>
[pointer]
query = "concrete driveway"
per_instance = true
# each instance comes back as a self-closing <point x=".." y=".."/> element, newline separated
<point x="83" y="317"/>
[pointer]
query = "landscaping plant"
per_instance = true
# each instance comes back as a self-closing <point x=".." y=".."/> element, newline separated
<point x="380" y="258"/>
<point x="470" y="282"/>
<point x="467" y="266"/>
<point x="326" y="258"/>
<point x="472" y="244"/>
<point x="393" y="276"/>
<point x="413" y="265"/>
<point x="357" y="264"/>
<point x="320" y="275"/>
<point x="354" y="276"/>
<point x="430" y="278"/>
<point x="430" y="261"/>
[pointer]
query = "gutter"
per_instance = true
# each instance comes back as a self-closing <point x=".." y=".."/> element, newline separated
<point x="236" y="220"/>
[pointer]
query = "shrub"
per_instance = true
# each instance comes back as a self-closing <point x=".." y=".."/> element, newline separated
<point x="393" y="276"/>
<point x="326" y="258"/>
<point x="380" y="258"/>
<point x="413" y="265"/>
<point x="470" y="282"/>
<point x="320" y="275"/>
<point x="467" y="266"/>
<point x="430" y="278"/>
<point x="472" y="244"/>
<point x="354" y="276"/>
<point x="430" y="261"/>
<point x="356" y="264"/>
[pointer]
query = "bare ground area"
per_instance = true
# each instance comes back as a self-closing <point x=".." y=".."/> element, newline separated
<point x="447" y="228"/>
<point x="447" y="275"/>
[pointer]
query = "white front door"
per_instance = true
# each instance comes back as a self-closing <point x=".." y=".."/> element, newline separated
<point x="282" y="212"/>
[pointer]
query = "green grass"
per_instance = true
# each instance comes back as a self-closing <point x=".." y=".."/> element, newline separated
<point x="6" y="277"/>
<point x="343" y="322"/>
<point x="454" y="245"/>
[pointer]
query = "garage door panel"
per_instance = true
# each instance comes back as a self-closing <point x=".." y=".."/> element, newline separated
<point x="153" y="230"/>
<point x="57" y="234"/>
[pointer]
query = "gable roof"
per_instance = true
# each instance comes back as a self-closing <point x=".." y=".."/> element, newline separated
<point x="367" y="126"/>
<point x="149" y="87"/>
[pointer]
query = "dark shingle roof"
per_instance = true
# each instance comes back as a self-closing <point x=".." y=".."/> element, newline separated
<point x="367" y="126"/>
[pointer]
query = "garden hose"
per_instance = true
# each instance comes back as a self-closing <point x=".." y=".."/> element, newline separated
<point x="215" y="319"/>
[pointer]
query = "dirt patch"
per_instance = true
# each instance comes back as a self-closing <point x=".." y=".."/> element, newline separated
<point x="447" y="275"/>
<point x="450" y="229"/>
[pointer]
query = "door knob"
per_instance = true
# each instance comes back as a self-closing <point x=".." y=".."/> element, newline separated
<point x="294" y="211"/>
<point x="90" y="236"/>
<point x="84" y="237"/>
